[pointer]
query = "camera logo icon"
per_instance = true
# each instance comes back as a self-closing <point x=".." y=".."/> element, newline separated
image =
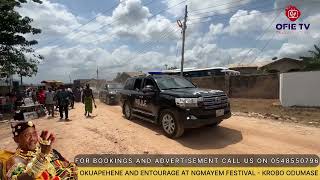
<point x="292" y="13"/>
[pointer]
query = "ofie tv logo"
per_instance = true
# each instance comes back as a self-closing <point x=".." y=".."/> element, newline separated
<point x="293" y="14"/>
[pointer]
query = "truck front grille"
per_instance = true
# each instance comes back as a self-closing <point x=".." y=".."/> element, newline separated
<point x="215" y="102"/>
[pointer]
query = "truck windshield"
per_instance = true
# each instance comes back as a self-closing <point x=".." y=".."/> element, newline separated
<point x="166" y="83"/>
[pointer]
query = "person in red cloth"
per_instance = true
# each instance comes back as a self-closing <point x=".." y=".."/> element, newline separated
<point x="41" y="96"/>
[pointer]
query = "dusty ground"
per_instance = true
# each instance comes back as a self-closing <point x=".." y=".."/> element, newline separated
<point x="271" y="109"/>
<point x="109" y="132"/>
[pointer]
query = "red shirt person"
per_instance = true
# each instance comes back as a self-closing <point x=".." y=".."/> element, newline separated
<point x="41" y="96"/>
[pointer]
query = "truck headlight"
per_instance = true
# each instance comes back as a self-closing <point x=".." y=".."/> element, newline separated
<point x="188" y="102"/>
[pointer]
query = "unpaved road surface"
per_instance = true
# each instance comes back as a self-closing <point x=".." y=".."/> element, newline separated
<point x="109" y="132"/>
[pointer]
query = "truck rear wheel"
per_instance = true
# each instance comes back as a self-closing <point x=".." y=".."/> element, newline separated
<point x="170" y="124"/>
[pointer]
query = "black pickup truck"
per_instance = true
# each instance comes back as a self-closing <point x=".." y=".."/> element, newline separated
<point x="110" y="93"/>
<point x="174" y="103"/>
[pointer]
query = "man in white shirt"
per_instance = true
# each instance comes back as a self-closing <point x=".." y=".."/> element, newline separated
<point x="50" y="102"/>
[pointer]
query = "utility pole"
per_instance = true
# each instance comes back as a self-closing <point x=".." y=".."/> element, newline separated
<point x="184" y="27"/>
<point x="97" y="73"/>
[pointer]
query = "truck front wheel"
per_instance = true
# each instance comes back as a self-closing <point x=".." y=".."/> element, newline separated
<point x="170" y="124"/>
<point x="127" y="111"/>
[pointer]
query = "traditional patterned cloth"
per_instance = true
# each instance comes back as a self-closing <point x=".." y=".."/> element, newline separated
<point x="88" y="104"/>
<point x="58" y="169"/>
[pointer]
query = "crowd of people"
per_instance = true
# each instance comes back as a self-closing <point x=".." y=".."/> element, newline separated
<point x="35" y="157"/>
<point x="56" y="98"/>
<point x="53" y="99"/>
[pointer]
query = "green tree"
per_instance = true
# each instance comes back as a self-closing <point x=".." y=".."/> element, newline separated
<point x="312" y="62"/>
<point x="16" y="53"/>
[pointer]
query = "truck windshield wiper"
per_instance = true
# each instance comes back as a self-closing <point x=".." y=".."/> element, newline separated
<point x="172" y="88"/>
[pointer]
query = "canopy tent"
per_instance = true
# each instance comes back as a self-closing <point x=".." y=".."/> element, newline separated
<point x="52" y="83"/>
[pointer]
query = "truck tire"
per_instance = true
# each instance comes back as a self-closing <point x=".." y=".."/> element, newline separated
<point x="171" y="125"/>
<point x="107" y="100"/>
<point x="127" y="110"/>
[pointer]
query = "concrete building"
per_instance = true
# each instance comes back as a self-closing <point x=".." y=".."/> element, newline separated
<point x="245" y="69"/>
<point x="282" y="66"/>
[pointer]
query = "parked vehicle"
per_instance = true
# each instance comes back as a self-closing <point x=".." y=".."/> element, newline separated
<point x="174" y="103"/>
<point x="110" y="94"/>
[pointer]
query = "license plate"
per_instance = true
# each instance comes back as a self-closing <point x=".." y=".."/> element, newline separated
<point x="219" y="112"/>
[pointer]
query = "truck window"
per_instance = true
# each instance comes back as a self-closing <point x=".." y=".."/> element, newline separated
<point x="137" y="84"/>
<point x="129" y="84"/>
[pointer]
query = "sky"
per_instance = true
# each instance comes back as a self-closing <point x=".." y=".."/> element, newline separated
<point x="80" y="36"/>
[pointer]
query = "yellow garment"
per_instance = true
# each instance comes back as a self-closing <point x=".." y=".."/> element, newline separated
<point x="4" y="156"/>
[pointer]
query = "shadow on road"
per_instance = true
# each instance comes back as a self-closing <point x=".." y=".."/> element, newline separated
<point x="201" y="138"/>
<point x="210" y="138"/>
<point x="91" y="117"/>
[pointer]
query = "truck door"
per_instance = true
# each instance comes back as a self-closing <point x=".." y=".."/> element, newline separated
<point x="137" y="97"/>
<point x="149" y="98"/>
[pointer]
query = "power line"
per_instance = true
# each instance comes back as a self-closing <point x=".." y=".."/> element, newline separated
<point x="235" y="17"/>
<point x="159" y="12"/>
<point x="205" y="17"/>
<point x="267" y="43"/>
<point x="88" y="22"/>
<point x="60" y="44"/>
<point x="261" y="50"/>
<point x="264" y="47"/>
<point x="217" y="5"/>
<point x="259" y="5"/>
<point x="143" y="49"/>
<point x="261" y="35"/>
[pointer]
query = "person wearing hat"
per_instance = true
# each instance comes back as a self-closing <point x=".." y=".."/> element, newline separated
<point x="34" y="157"/>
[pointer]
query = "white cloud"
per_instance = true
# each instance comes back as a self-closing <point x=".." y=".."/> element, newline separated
<point x="128" y="20"/>
<point x="131" y="23"/>
<point x="243" y="21"/>
<point x="293" y="50"/>
<point x="81" y="62"/>
<point x="130" y="12"/>
<point x="53" y="18"/>
<point x="213" y="7"/>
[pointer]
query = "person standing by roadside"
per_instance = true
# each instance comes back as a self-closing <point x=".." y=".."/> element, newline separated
<point x="71" y="94"/>
<point x="63" y="102"/>
<point x="34" y="95"/>
<point x="50" y="102"/>
<point x="88" y="99"/>
<point x="41" y="96"/>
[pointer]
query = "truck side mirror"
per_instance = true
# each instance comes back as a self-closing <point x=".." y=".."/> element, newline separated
<point x="148" y="88"/>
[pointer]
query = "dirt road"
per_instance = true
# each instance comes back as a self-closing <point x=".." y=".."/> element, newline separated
<point x="108" y="132"/>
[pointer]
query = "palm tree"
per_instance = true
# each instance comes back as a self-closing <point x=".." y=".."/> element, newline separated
<point x="312" y="62"/>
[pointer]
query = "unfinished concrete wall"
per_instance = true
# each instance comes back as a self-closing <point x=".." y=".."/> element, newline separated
<point x="217" y="82"/>
<point x="255" y="86"/>
<point x="300" y="89"/>
<point x="244" y="86"/>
